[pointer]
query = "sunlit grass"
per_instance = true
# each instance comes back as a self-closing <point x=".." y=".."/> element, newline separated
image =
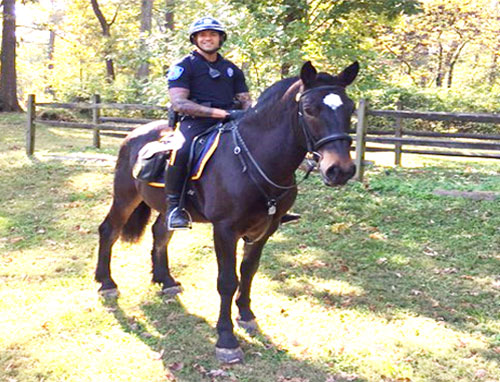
<point x="378" y="282"/>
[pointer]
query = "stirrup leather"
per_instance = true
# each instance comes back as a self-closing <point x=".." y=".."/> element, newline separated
<point x="180" y="212"/>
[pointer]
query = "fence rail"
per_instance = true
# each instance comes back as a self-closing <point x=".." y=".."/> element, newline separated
<point x="399" y="140"/>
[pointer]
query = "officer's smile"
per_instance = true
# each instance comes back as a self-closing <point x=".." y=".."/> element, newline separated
<point x="208" y="40"/>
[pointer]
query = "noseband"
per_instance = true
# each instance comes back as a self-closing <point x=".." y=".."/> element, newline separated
<point x="314" y="144"/>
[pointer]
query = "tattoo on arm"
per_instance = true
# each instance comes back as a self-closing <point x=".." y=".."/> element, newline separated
<point x="181" y="104"/>
<point x="245" y="99"/>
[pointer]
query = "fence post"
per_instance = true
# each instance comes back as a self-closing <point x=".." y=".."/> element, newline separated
<point x="30" y="125"/>
<point x="398" y="134"/>
<point x="361" y="140"/>
<point x="96" y="99"/>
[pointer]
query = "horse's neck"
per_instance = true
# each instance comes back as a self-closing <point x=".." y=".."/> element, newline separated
<point x="275" y="145"/>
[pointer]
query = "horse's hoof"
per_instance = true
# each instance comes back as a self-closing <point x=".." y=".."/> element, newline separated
<point x="251" y="327"/>
<point x="109" y="293"/>
<point x="229" y="356"/>
<point x="172" y="291"/>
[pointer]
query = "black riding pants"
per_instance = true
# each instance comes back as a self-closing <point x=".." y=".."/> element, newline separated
<point x="190" y="128"/>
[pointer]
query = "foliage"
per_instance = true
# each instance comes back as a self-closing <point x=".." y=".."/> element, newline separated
<point x="405" y="47"/>
<point x="381" y="281"/>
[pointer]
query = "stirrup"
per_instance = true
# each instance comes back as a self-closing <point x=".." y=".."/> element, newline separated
<point x="187" y="218"/>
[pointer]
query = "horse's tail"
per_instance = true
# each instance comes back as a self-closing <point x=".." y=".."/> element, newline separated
<point x="136" y="223"/>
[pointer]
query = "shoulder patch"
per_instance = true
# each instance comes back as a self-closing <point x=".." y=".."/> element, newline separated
<point x="230" y="72"/>
<point x="175" y="72"/>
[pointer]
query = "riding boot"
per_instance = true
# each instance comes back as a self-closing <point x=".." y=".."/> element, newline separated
<point x="177" y="218"/>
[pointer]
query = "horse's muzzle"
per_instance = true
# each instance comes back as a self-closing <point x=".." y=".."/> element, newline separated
<point x="338" y="175"/>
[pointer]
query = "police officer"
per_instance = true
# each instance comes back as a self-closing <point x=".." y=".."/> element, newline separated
<point x="203" y="87"/>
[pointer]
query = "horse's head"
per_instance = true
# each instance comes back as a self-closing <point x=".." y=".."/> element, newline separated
<point x="325" y="117"/>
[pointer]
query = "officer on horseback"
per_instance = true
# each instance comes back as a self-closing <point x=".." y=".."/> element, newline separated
<point x="203" y="88"/>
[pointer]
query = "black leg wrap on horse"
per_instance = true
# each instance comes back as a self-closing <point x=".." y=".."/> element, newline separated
<point x="177" y="217"/>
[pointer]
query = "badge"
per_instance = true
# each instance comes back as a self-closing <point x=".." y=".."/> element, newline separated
<point x="230" y="72"/>
<point x="175" y="72"/>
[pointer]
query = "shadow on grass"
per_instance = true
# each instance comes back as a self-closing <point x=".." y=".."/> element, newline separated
<point x="186" y="345"/>
<point x="406" y="251"/>
<point x="17" y="365"/>
<point x="36" y="214"/>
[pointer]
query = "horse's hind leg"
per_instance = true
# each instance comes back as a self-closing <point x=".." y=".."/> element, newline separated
<point x="109" y="231"/>
<point x="159" y="255"/>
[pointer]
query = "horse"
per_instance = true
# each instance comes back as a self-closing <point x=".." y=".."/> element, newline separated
<point x="247" y="186"/>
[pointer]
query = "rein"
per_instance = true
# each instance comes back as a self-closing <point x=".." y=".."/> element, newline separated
<point x="312" y="143"/>
<point x="239" y="147"/>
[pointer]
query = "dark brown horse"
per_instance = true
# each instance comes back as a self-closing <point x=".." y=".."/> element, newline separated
<point x="248" y="185"/>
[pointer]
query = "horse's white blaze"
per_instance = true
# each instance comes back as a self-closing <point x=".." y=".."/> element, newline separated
<point x="333" y="101"/>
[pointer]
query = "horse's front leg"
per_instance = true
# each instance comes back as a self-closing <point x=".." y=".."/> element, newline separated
<point x="159" y="256"/>
<point x="249" y="266"/>
<point x="227" y="347"/>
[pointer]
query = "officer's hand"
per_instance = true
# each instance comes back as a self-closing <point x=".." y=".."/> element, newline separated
<point x="234" y="114"/>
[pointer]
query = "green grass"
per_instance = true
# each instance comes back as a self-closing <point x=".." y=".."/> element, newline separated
<point x="380" y="281"/>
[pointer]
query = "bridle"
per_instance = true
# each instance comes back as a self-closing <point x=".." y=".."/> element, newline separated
<point x="312" y="143"/>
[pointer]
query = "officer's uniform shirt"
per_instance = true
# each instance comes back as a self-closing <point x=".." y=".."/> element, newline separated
<point x="192" y="73"/>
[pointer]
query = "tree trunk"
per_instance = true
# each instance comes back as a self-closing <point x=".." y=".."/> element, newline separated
<point x="169" y="15"/>
<point x="145" y="29"/>
<point x="439" y="76"/>
<point x="50" y="57"/>
<point x="493" y="73"/>
<point x="110" y="68"/>
<point x="294" y="11"/>
<point x="453" y="61"/>
<point x="8" y="76"/>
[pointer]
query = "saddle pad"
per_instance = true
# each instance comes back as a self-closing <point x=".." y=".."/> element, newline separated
<point x="203" y="149"/>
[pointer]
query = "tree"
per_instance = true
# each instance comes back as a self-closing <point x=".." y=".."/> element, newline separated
<point x="106" y="32"/>
<point x="432" y="44"/>
<point x="145" y="30"/>
<point x="8" y="75"/>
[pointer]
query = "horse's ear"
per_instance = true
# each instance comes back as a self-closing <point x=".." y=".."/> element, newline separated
<point x="349" y="74"/>
<point x="308" y="74"/>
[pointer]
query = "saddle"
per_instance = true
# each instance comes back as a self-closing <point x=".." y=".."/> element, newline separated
<point x="152" y="159"/>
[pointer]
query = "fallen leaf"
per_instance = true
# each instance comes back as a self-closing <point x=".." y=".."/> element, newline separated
<point x="176" y="366"/>
<point x="377" y="236"/>
<point x="200" y="369"/>
<point x="342" y="377"/>
<point x="339" y="227"/>
<point x="158" y="355"/>
<point x="344" y="268"/>
<point x="430" y="252"/>
<point x="480" y="374"/>
<point x="217" y="373"/>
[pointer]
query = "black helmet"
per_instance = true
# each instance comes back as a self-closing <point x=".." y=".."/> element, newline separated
<point x="206" y="23"/>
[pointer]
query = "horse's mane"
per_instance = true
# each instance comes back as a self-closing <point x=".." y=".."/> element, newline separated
<point x="272" y="101"/>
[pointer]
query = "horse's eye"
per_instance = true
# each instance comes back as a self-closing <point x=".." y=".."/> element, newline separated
<point x="311" y="110"/>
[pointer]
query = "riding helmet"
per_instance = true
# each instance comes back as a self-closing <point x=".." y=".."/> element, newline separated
<point x="207" y="23"/>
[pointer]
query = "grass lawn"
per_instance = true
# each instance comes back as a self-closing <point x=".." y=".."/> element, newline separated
<point x="380" y="281"/>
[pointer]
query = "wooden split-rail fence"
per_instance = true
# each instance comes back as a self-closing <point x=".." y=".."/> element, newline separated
<point x="398" y="140"/>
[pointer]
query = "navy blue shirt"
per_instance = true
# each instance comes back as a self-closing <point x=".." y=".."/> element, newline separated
<point x="193" y="73"/>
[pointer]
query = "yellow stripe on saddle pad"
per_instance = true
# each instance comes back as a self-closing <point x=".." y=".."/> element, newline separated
<point x="202" y="161"/>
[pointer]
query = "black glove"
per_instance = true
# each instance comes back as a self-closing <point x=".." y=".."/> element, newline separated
<point x="234" y="115"/>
